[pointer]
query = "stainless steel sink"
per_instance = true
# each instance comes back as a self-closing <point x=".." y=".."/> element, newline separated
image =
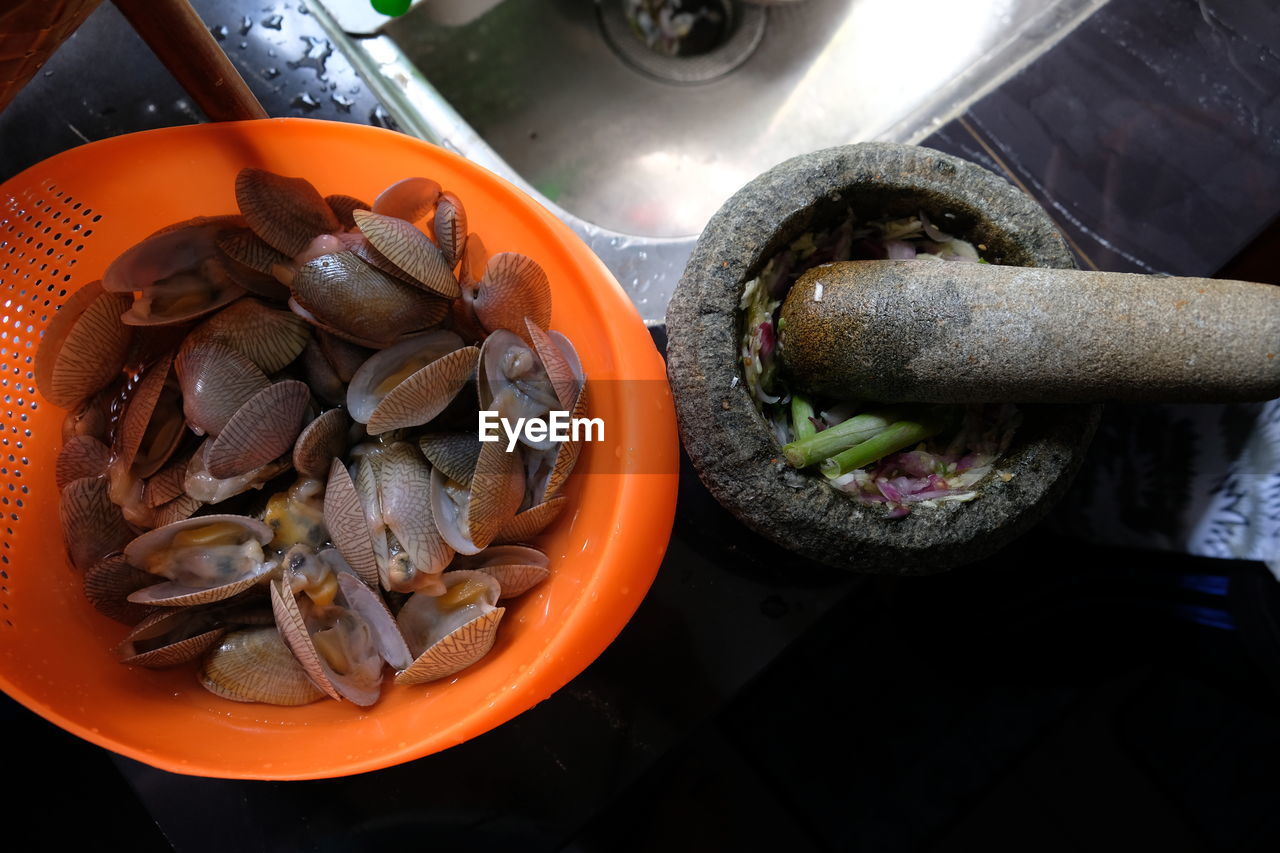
<point x="635" y="148"/>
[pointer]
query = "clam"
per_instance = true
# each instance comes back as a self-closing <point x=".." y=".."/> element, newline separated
<point x="255" y="665"/>
<point x="320" y="442"/>
<point x="450" y="227"/>
<point x="84" y="346"/>
<point x="92" y="415"/>
<point x="251" y="263"/>
<point x="177" y="274"/>
<point x="470" y="516"/>
<point x="343" y="206"/>
<point x="81" y="456"/>
<point x="205" y="559"/>
<point x="261" y="430"/>
<point x="107" y="584"/>
<point x="344" y="295"/>
<point x="547" y="470"/>
<point x="215" y="381"/>
<point x="513" y="382"/>
<point x="337" y="627"/>
<point x="344" y="517"/>
<point x="287" y="213"/>
<point x="408" y="384"/>
<point x="560" y="361"/>
<point x="92" y="524"/>
<point x="170" y="637"/>
<point x="517" y="568"/>
<point x="530" y="522"/>
<point x="411" y="251"/>
<point x="449" y="632"/>
<point x="513" y="287"/>
<point x="204" y="487"/>
<point x="409" y="199"/>
<point x="269" y="337"/>
<point x="150" y="429"/>
<point x="386" y="369"/>
<point x="454" y="453"/>
<point x="393" y="488"/>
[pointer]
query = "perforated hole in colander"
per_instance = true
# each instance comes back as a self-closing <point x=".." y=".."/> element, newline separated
<point x="41" y="231"/>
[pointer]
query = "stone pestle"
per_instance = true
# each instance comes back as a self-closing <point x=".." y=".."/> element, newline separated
<point x="965" y="332"/>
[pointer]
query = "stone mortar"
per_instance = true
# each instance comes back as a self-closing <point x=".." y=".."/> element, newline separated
<point x="728" y="440"/>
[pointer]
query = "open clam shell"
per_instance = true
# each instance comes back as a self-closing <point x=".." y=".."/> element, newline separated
<point x="179" y="274"/>
<point x="169" y="637"/>
<point x="344" y="516"/>
<point x="204" y="487"/>
<point x="392" y="491"/>
<point x="512" y="381"/>
<point x="205" y="559"/>
<point x="382" y="374"/>
<point x="152" y="424"/>
<point x="517" y="568"/>
<point x="359" y="636"/>
<point x="469" y="517"/>
<point x="255" y="665"/>
<point x="449" y="633"/>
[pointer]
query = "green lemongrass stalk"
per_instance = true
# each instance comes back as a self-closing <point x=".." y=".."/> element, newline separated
<point x="801" y="412"/>
<point x="822" y="445"/>
<point x="895" y="437"/>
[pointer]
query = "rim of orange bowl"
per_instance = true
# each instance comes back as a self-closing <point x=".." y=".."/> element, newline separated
<point x="566" y="655"/>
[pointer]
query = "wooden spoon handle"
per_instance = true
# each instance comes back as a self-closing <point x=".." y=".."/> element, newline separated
<point x="175" y="34"/>
<point x="962" y="332"/>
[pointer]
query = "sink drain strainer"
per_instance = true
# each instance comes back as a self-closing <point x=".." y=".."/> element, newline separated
<point x="682" y="41"/>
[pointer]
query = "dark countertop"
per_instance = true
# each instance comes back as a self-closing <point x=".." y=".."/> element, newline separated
<point x="1057" y="694"/>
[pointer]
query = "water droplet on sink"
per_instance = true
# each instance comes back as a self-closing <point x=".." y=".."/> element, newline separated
<point x="303" y="10"/>
<point x="270" y="73"/>
<point x="246" y="24"/>
<point x="219" y="32"/>
<point x="316" y="55"/>
<point x="243" y="45"/>
<point x="306" y="102"/>
<point x="273" y="22"/>
<point x="343" y="102"/>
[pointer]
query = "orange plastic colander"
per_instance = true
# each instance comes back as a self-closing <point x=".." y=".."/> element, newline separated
<point x="64" y="220"/>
